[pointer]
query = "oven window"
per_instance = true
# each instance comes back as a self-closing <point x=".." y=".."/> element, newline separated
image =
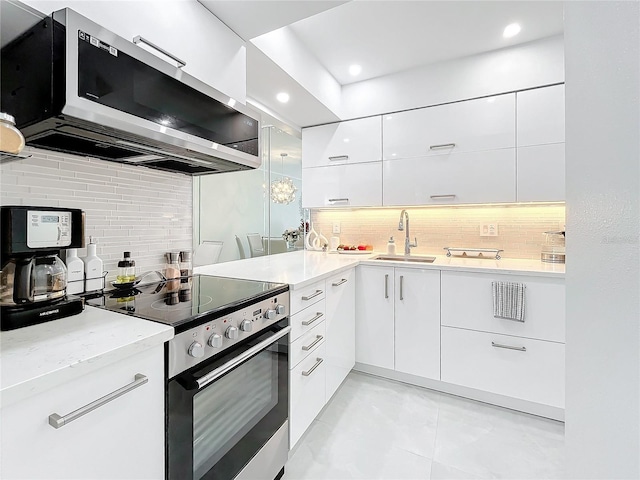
<point x="231" y="407"/>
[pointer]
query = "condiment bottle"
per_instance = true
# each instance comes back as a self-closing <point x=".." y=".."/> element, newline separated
<point x="75" y="272"/>
<point x="93" y="276"/>
<point x="186" y="265"/>
<point x="126" y="269"/>
<point x="11" y="140"/>
<point x="172" y="271"/>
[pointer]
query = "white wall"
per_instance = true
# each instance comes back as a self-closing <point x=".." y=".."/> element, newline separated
<point x="509" y="69"/>
<point x="603" y="225"/>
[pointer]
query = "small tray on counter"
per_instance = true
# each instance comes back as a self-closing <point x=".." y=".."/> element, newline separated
<point x="474" y="252"/>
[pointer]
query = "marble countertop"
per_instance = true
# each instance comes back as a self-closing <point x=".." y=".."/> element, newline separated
<point x="34" y="359"/>
<point x="300" y="269"/>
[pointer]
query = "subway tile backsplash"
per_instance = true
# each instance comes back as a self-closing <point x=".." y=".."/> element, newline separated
<point x="147" y="212"/>
<point x="520" y="227"/>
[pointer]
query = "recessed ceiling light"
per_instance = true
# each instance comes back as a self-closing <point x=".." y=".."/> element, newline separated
<point x="345" y="140"/>
<point x="355" y="69"/>
<point x="511" y="30"/>
<point x="283" y="97"/>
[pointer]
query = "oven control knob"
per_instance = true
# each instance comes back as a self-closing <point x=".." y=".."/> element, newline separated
<point x="246" y="326"/>
<point x="196" y="350"/>
<point x="215" y="340"/>
<point x="280" y="309"/>
<point x="232" y="333"/>
<point x="270" y="314"/>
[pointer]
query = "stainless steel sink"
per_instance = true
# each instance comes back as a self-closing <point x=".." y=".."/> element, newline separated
<point x="402" y="258"/>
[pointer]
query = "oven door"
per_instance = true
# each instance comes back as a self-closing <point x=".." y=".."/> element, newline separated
<point x="221" y="413"/>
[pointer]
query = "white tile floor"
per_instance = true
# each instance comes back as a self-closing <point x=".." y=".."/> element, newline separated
<point x="380" y="429"/>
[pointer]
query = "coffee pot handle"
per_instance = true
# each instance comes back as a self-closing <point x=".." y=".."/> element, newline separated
<point x="24" y="281"/>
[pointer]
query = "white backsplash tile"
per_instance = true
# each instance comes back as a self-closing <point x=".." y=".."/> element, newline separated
<point x="147" y="212"/>
<point x="520" y="227"/>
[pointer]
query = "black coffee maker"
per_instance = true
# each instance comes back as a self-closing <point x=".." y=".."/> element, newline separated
<point x="33" y="280"/>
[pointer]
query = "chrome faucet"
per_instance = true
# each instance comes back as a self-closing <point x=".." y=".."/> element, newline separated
<point x="407" y="241"/>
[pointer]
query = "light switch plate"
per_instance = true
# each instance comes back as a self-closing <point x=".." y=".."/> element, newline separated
<point x="336" y="227"/>
<point x="489" y="230"/>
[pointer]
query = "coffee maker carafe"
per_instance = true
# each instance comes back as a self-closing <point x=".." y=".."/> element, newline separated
<point x="33" y="280"/>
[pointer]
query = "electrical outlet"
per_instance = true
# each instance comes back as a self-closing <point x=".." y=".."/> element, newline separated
<point x="489" y="230"/>
<point x="336" y="227"/>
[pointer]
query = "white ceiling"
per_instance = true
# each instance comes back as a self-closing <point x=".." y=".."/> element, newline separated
<point x="391" y="36"/>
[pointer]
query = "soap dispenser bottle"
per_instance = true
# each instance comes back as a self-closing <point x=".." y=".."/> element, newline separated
<point x="75" y="272"/>
<point x="391" y="247"/>
<point x="94" y="280"/>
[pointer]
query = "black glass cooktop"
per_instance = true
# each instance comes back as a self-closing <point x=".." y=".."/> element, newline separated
<point x="184" y="301"/>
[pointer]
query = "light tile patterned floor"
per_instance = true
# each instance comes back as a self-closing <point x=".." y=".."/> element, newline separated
<point x="380" y="429"/>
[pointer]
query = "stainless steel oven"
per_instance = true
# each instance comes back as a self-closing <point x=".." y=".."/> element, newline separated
<point x="221" y="416"/>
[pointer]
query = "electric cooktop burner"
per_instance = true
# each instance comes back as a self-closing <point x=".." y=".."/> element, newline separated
<point x="183" y="302"/>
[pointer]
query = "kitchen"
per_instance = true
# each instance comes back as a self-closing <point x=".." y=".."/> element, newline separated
<point x="596" y="440"/>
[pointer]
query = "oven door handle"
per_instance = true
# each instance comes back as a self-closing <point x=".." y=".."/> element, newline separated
<point x="243" y="357"/>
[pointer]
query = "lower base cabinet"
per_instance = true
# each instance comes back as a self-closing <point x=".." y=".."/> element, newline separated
<point x="122" y="438"/>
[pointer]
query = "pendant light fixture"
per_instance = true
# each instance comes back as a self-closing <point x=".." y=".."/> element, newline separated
<point x="283" y="191"/>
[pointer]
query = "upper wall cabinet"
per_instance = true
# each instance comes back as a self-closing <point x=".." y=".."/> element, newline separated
<point x="358" y="185"/>
<point x="541" y="116"/>
<point x="353" y="141"/>
<point x="468" y="126"/>
<point x="212" y="52"/>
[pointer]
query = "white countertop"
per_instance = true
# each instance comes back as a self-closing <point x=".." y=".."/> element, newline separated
<point x="34" y="359"/>
<point x="302" y="268"/>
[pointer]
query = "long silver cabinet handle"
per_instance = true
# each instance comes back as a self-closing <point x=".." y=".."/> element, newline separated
<point x="339" y="157"/>
<point x="508" y="347"/>
<point x="138" y="39"/>
<point x="442" y="145"/>
<point x="243" y="357"/>
<point x="344" y="280"/>
<point x="386" y="286"/>
<point x="449" y="195"/>
<point x="401" y="284"/>
<point x="310" y="321"/>
<point x="316" y="365"/>
<point x="309" y="297"/>
<point x="333" y="200"/>
<point x="313" y="344"/>
<point x="56" y="421"/>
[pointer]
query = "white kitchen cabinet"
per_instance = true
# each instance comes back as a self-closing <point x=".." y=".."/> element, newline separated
<point x="299" y="349"/>
<point x="398" y="319"/>
<point x="374" y="316"/>
<point x="472" y="177"/>
<point x="522" y="368"/>
<point x="541" y="173"/>
<point x="213" y="53"/>
<point x="351" y="185"/>
<point x="353" y="141"/>
<point x="541" y="116"/>
<point x="544" y="305"/>
<point x="467" y="126"/>
<point x="122" y="438"/>
<point x="306" y="319"/>
<point x="340" y="329"/>
<point x="417" y="322"/>
<point x="302" y="298"/>
<point x="307" y="392"/>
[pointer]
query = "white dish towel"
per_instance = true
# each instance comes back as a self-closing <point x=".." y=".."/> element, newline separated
<point x="508" y="300"/>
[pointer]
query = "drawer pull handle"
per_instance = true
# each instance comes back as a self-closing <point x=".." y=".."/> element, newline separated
<point x="442" y="145"/>
<point x="448" y="195"/>
<point x="309" y="322"/>
<point x="318" y="339"/>
<point x="386" y="286"/>
<point x="316" y="365"/>
<point x="339" y="157"/>
<point x="344" y="280"/>
<point x="309" y="297"/>
<point x="401" y="284"/>
<point x="334" y="200"/>
<point x="56" y="421"/>
<point x="138" y="39"/>
<point x="508" y="347"/>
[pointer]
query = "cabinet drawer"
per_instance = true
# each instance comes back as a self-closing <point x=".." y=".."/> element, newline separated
<point x="302" y="347"/>
<point x="305" y="297"/>
<point x="467" y="302"/>
<point x="306" y="393"/>
<point x="357" y="185"/>
<point x="477" y="177"/>
<point x="469" y="126"/>
<point x="307" y="319"/>
<point x="541" y="173"/>
<point x="483" y="361"/>
<point x="353" y="141"/>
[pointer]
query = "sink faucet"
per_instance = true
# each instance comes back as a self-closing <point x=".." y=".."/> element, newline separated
<point x="407" y="241"/>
